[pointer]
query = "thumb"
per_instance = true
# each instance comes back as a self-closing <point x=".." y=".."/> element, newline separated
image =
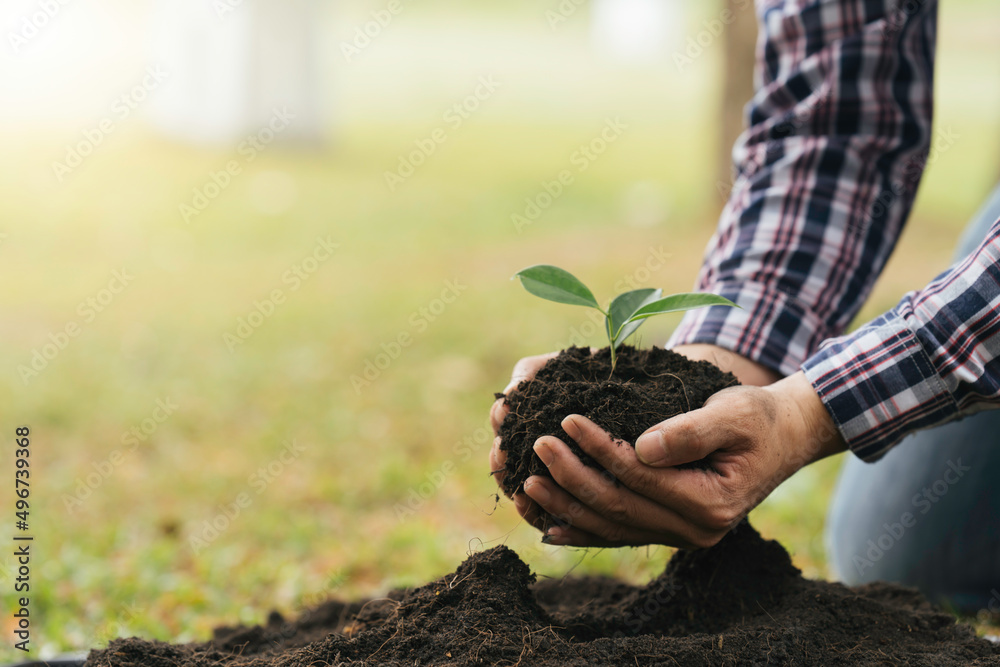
<point x="678" y="440"/>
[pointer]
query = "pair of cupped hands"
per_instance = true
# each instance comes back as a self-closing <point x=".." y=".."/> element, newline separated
<point x="753" y="437"/>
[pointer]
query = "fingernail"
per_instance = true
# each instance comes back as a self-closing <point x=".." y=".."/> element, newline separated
<point x="553" y="536"/>
<point x="544" y="452"/>
<point x="650" y="448"/>
<point x="537" y="492"/>
<point x="571" y="427"/>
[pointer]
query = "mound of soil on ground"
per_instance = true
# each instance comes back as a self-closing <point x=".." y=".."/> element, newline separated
<point x="738" y="603"/>
<point x="647" y="387"/>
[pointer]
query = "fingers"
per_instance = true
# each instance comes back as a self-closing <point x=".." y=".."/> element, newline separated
<point x="593" y="501"/>
<point x="524" y="369"/>
<point x="498" y="411"/>
<point x="580" y="525"/>
<point x="619" y="459"/>
<point x="681" y="439"/>
<point x="497" y="461"/>
<point x="524" y="505"/>
<point x="691" y="504"/>
<point x="727" y="419"/>
<point x="528" y="509"/>
<point x="568" y="536"/>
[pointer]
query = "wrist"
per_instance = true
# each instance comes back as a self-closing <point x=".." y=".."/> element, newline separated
<point x="747" y="371"/>
<point x="810" y="429"/>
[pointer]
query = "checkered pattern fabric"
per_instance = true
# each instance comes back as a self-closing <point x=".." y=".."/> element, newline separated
<point x="838" y="135"/>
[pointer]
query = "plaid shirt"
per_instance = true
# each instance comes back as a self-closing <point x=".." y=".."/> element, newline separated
<point x="839" y="131"/>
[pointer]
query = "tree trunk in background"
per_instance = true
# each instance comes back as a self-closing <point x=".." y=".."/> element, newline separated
<point x="233" y="64"/>
<point x="740" y="38"/>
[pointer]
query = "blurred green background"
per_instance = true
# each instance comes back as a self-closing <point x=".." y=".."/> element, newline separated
<point x="122" y="544"/>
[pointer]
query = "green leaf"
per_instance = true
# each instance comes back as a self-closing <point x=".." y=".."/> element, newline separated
<point x="623" y="307"/>
<point x="555" y="284"/>
<point x="677" y="302"/>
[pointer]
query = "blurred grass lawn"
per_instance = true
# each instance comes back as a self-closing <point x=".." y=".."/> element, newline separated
<point x="122" y="561"/>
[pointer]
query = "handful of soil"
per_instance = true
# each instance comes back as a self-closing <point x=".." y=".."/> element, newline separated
<point x="647" y="387"/>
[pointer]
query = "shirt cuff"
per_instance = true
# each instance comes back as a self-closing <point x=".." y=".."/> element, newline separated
<point x="770" y="327"/>
<point x="879" y="385"/>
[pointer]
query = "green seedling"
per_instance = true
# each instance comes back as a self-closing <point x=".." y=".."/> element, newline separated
<point x="625" y="313"/>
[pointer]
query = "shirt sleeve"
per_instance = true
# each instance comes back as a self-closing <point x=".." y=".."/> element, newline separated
<point x="825" y="175"/>
<point x="933" y="358"/>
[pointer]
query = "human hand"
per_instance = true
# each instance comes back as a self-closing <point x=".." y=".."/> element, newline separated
<point x="746" y="371"/>
<point x="524" y="369"/>
<point x="752" y="438"/>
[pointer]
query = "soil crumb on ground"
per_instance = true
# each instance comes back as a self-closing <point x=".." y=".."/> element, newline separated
<point x="740" y="602"/>
<point x="647" y="387"/>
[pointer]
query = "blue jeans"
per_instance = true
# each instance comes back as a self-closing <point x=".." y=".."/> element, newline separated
<point x="928" y="513"/>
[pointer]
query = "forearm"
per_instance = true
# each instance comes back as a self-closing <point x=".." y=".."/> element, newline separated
<point x="746" y="371"/>
<point x="826" y="173"/>
<point x="934" y="358"/>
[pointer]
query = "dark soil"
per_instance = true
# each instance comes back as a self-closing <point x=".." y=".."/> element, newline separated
<point x="738" y="603"/>
<point x="647" y="387"/>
